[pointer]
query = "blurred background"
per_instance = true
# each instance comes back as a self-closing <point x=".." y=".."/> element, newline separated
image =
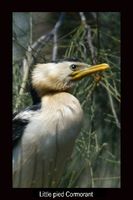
<point x="93" y="37"/>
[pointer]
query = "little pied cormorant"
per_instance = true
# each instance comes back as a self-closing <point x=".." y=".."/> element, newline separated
<point x="44" y="134"/>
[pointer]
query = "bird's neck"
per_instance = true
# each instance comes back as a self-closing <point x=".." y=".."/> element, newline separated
<point x="58" y="100"/>
<point x="51" y="92"/>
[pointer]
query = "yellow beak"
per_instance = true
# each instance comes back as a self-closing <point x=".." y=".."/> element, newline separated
<point x="79" y="74"/>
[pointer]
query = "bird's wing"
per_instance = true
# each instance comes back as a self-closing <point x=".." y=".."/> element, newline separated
<point x="21" y="120"/>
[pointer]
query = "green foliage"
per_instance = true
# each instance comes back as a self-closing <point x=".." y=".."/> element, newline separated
<point x="25" y="99"/>
<point x="97" y="150"/>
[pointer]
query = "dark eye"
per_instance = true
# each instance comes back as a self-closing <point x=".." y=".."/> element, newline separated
<point x="73" y="67"/>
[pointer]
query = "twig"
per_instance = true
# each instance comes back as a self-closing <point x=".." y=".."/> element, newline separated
<point x="55" y="31"/>
<point x="112" y="105"/>
<point x="40" y="42"/>
<point x="113" y="110"/>
<point x="91" y="174"/>
<point x="110" y="91"/>
<point x="89" y="37"/>
<point x="30" y="40"/>
<point x="26" y="66"/>
<point x="98" y="34"/>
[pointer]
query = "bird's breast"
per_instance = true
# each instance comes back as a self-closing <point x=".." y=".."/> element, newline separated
<point x="60" y="120"/>
<point x="62" y="110"/>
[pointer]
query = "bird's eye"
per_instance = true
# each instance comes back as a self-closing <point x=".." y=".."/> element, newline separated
<point x="73" y="67"/>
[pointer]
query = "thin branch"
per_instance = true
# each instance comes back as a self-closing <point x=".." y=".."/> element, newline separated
<point x="26" y="66"/>
<point x="98" y="34"/>
<point x="89" y="37"/>
<point x="55" y="47"/>
<point x="30" y="40"/>
<point x="40" y="42"/>
<point x="117" y="97"/>
<point x="55" y="32"/>
<point x="112" y="105"/>
<point x="113" y="110"/>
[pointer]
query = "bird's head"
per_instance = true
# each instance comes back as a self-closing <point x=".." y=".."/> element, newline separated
<point x="61" y="76"/>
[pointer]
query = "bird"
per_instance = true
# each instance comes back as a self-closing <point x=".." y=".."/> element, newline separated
<point x="44" y="134"/>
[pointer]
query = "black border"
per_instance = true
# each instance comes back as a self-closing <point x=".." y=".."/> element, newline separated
<point x="6" y="94"/>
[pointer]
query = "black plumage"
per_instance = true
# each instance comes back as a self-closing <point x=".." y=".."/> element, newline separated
<point x="21" y="120"/>
<point x="19" y="126"/>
